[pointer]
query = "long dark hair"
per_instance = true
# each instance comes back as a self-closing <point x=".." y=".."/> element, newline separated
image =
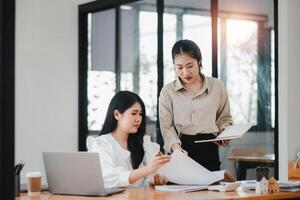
<point x="189" y="47"/>
<point x="121" y="101"/>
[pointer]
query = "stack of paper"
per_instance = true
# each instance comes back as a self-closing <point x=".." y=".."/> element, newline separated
<point x="287" y="186"/>
<point x="181" y="169"/>
<point x="248" y="185"/>
<point x="180" y="188"/>
<point x="290" y="186"/>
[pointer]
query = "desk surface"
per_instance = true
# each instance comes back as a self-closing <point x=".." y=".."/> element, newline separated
<point x="269" y="158"/>
<point x="150" y="193"/>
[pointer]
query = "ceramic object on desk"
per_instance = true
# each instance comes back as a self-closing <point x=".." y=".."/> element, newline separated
<point x="262" y="186"/>
<point x="273" y="186"/>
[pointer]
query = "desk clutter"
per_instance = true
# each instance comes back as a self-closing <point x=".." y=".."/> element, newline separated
<point x="271" y="186"/>
<point x="17" y="171"/>
<point x="267" y="186"/>
<point x="33" y="181"/>
<point x="222" y="187"/>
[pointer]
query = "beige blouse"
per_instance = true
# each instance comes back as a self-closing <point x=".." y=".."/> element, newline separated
<point x="207" y="111"/>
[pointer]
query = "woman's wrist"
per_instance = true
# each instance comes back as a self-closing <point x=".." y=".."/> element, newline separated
<point x="175" y="146"/>
<point x="178" y="146"/>
<point x="149" y="169"/>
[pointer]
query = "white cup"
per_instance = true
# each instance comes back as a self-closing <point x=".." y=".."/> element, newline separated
<point x="34" y="183"/>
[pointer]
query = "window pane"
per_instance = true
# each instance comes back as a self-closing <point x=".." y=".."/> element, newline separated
<point x="169" y="40"/>
<point x="242" y="73"/>
<point x="198" y="29"/>
<point x="148" y="62"/>
<point x="101" y="66"/>
<point x="129" y="46"/>
<point x="139" y="56"/>
<point x="246" y="68"/>
<point x="187" y="20"/>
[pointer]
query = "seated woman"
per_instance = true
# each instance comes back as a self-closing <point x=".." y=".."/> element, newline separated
<point x="127" y="156"/>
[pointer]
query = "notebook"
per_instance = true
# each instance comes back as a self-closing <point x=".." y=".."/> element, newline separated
<point x="75" y="173"/>
<point x="230" y="133"/>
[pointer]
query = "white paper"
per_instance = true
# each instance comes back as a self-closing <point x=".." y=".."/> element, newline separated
<point x="181" y="169"/>
<point x="180" y="188"/>
<point x="220" y="174"/>
<point x="225" y="187"/>
<point x="289" y="183"/>
<point x="230" y="133"/>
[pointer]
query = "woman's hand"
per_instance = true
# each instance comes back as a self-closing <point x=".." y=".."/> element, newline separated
<point x="228" y="177"/>
<point x="223" y="143"/>
<point x="149" y="169"/>
<point x="158" y="180"/>
<point x="157" y="162"/>
<point x="178" y="146"/>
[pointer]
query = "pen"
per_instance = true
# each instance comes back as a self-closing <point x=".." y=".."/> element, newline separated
<point x="21" y="167"/>
<point x="18" y="168"/>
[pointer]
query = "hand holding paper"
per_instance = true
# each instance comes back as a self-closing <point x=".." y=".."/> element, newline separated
<point x="181" y="169"/>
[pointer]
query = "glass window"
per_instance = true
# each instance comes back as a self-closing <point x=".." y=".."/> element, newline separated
<point x="139" y="56"/>
<point x="101" y="66"/>
<point x="188" y="20"/>
<point x="247" y="70"/>
<point x="241" y="71"/>
<point x="148" y="66"/>
<point x="170" y="23"/>
<point x="245" y="60"/>
<point x="198" y="29"/>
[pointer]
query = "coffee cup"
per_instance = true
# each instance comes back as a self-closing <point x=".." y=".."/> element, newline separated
<point x="34" y="183"/>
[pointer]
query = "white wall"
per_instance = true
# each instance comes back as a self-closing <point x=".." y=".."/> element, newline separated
<point x="293" y="76"/>
<point x="289" y="93"/>
<point x="46" y="79"/>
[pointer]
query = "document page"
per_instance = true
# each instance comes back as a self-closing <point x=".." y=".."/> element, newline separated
<point x="230" y="132"/>
<point x="182" y="169"/>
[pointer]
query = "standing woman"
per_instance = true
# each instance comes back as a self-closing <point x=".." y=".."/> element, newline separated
<point x="127" y="156"/>
<point x="193" y="107"/>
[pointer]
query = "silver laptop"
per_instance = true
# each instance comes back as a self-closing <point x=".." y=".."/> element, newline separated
<point x="75" y="173"/>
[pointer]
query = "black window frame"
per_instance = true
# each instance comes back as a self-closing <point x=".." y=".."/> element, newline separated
<point x="84" y="9"/>
<point x="7" y="98"/>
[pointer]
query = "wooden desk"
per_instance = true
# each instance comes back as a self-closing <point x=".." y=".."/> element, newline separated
<point x="247" y="162"/>
<point x="150" y="193"/>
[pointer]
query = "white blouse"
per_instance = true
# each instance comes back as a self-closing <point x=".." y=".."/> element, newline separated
<point x="116" y="162"/>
